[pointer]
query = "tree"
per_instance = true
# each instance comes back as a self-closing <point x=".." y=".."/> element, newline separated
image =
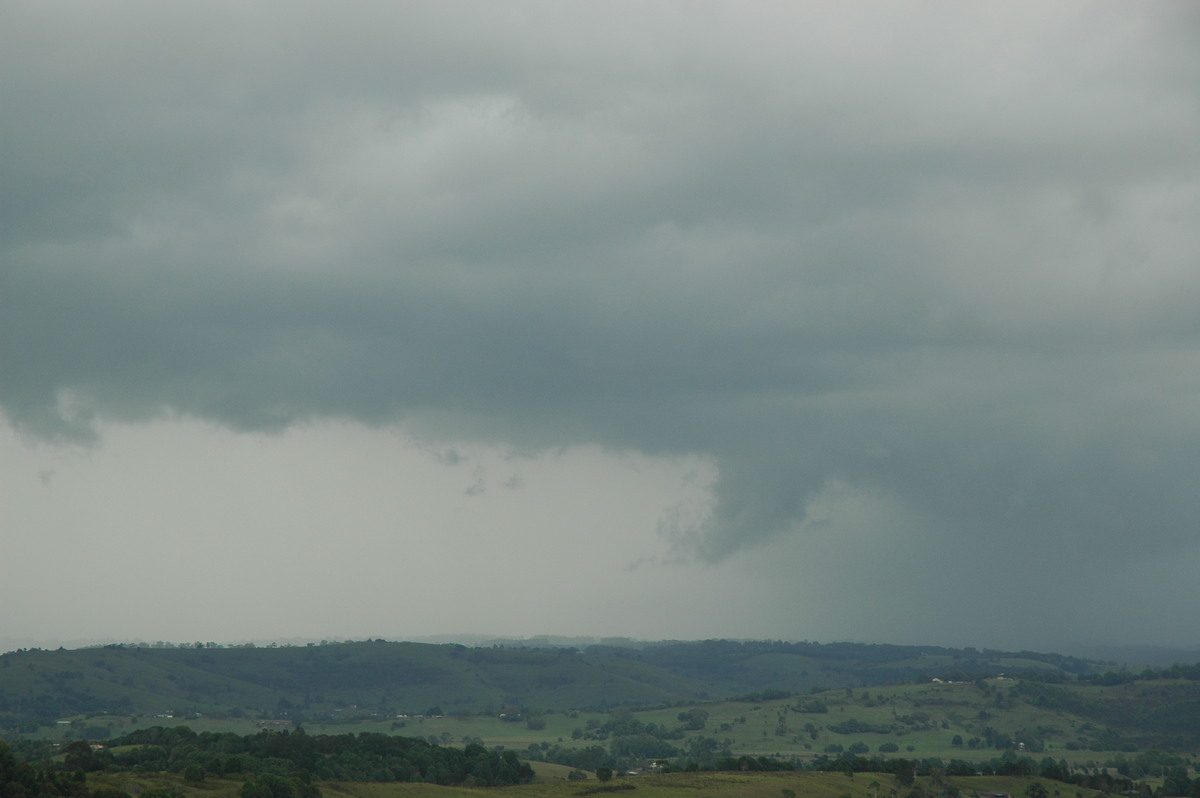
<point x="1176" y="781"/>
<point x="1036" y="790"/>
<point x="79" y="756"/>
<point x="605" y="774"/>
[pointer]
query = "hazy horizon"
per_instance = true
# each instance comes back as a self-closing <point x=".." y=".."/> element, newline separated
<point x="1123" y="655"/>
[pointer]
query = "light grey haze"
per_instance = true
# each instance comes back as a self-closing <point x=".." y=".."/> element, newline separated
<point x="864" y="321"/>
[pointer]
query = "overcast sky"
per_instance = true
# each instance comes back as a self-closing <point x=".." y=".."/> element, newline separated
<point x="824" y="321"/>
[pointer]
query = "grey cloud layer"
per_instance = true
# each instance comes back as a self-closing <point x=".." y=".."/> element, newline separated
<point x="946" y="256"/>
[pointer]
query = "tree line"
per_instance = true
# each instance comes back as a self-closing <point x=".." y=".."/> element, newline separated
<point x="275" y="764"/>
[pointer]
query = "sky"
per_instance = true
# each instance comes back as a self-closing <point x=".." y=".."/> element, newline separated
<point x="672" y="320"/>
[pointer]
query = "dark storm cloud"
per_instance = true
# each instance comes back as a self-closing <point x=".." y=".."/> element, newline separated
<point x="945" y="256"/>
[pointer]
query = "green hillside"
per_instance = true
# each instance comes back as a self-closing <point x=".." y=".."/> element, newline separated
<point x="761" y="698"/>
<point x="354" y="678"/>
<point x="391" y="678"/>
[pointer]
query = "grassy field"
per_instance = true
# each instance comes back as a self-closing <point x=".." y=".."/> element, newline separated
<point x="674" y="785"/>
<point x="921" y="721"/>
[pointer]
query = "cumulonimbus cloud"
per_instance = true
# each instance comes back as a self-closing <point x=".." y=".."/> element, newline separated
<point x="944" y="258"/>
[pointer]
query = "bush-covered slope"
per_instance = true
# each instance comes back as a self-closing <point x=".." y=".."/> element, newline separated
<point x="378" y="678"/>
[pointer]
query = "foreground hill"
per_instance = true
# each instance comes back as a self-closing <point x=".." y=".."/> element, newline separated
<point x="388" y="678"/>
<point x="672" y="785"/>
<point x="160" y="763"/>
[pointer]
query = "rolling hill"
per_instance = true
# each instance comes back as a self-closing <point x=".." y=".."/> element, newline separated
<point x="1055" y="699"/>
